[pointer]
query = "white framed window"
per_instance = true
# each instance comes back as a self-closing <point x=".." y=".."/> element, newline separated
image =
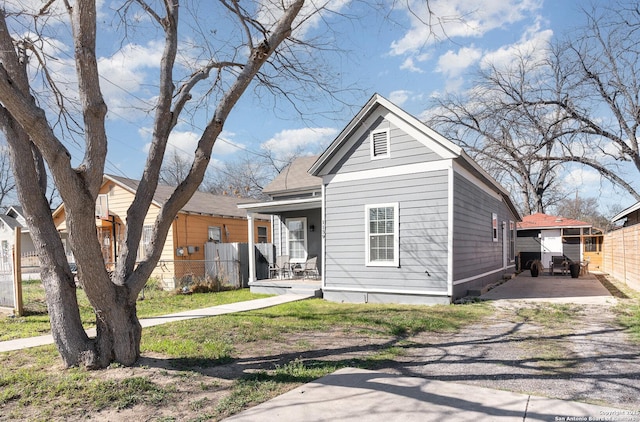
<point x="380" y="144"/>
<point x="6" y="256"/>
<point x="102" y="206"/>
<point x="297" y="239"/>
<point x="382" y="235"/>
<point x="214" y="234"/>
<point x="494" y="226"/>
<point x="262" y="234"/>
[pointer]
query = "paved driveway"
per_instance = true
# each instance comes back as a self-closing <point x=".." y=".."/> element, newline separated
<point x="558" y="288"/>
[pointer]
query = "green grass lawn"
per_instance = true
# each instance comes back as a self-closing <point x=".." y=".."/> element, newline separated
<point x="199" y="339"/>
<point x="35" y="321"/>
<point x="34" y="385"/>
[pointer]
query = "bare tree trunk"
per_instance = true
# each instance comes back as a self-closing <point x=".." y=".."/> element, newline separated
<point x="119" y="331"/>
<point x="32" y="138"/>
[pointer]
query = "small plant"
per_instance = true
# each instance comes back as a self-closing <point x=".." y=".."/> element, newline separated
<point x="536" y="267"/>
<point x="154" y="284"/>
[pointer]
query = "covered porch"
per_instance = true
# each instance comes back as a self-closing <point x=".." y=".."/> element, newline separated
<point x="298" y="246"/>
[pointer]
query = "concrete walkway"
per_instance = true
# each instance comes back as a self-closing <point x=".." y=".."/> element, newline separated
<point x="357" y="395"/>
<point x="23" y="343"/>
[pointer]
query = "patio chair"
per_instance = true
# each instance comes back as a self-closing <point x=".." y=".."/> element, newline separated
<point x="309" y="269"/>
<point x="280" y="268"/>
<point x="559" y="263"/>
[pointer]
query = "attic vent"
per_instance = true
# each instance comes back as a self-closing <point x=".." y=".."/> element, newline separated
<point x="380" y="144"/>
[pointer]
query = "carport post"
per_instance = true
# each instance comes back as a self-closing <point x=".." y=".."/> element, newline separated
<point x="252" y="252"/>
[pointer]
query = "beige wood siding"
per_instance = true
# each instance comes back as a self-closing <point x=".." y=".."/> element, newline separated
<point x="187" y="230"/>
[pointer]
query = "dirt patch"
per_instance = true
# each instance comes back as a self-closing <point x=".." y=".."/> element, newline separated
<point x="587" y="358"/>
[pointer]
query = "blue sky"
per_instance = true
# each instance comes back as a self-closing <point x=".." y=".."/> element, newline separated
<point x="386" y="52"/>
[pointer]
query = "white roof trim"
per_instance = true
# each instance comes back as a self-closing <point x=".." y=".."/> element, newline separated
<point x="272" y="207"/>
<point x="626" y="212"/>
<point x="423" y="134"/>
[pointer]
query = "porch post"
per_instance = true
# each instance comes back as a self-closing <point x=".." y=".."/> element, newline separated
<point x="252" y="252"/>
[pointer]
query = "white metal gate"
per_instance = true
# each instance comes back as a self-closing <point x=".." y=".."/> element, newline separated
<point x="7" y="293"/>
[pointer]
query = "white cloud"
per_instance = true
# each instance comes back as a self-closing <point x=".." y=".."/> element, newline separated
<point x="457" y="18"/>
<point x="453" y="64"/>
<point x="532" y="45"/>
<point x="184" y="142"/>
<point x="402" y="96"/>
<point x="269" y="11"/>
<point x="125" y="73"/>
<point x="409" y="65"/>
<point x="295" y="141"/>
<point x="454" y="84"/>
<point x="225" y="145"/>
<point x="436" y="20"/>
<point x="56" y="10"/>
<point x="582" y="176"/>
<point x="33" y="7"/>
<point x="399" y="97"/>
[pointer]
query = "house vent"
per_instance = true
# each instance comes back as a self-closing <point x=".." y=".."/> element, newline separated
<point x="380" y="144"/>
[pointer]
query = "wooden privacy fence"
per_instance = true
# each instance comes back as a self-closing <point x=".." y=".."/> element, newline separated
<point x="230" y="261"/>
<point x="622" y="255"/>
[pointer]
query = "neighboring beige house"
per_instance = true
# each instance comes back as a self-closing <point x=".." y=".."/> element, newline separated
<point x="205" y="218"/>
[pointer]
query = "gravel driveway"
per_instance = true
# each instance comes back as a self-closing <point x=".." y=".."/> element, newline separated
<point x="587" y="357"/>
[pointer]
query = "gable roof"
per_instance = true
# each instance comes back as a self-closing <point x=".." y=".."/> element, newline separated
<point x="545" y="221"/>
<point x="9" y="221"/>
<point x="15" y="211"/>
<point x="436" y="142"/>
<point x="417" y="129"/>
<point x="295" y="177"/>
<point x="200" y="203"/>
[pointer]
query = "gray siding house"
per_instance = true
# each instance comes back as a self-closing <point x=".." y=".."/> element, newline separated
<point x="406" y="215"/>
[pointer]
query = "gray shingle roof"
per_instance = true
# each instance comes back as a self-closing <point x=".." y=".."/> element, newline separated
<point x="295" y="177"/>
<point x="11" y="222"/>
<point x="200" y="203"/>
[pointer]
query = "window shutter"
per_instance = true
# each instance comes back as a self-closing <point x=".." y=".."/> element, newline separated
<point x="380" y="143"/>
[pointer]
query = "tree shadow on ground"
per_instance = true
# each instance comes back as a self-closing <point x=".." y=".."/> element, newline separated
<point x="489" y="357"/>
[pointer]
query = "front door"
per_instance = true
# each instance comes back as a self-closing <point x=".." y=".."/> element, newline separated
<point x="551" y="241"/>
<point x="593" y="251"/>
<point x="297" y="239"/>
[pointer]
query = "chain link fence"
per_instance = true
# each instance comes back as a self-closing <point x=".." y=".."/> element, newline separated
<point x="192" y="275"/>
